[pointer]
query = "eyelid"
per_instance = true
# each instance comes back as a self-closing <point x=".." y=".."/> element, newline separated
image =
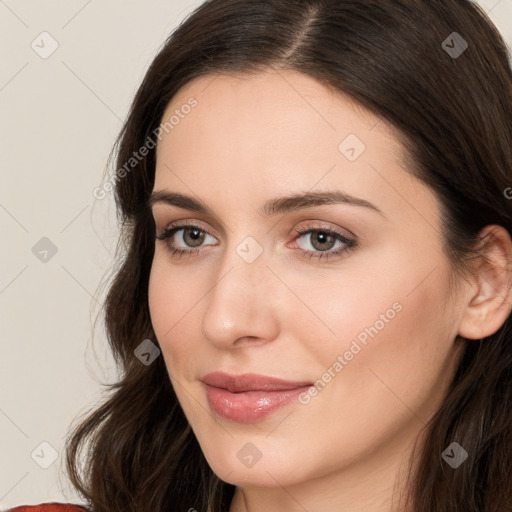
<point x="323" y="225"/>
<point x="311" y="225"/>
<point x="187" y="223"/>
<point x="209" y="225"/>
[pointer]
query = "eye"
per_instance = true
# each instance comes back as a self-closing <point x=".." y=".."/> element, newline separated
<point x="192" y="236"/>
<point x="321" y="239"/>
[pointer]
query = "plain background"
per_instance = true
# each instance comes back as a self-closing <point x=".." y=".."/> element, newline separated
<point x="59" y="118"/>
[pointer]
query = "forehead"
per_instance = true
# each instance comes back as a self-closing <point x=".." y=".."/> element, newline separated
<point x="270" y="112"/>
<point x="279" y="131"/>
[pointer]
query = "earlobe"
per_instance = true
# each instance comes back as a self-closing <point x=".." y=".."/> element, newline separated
<point x="489" y="301"/>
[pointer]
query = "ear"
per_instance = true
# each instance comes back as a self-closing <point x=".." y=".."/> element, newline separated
<point x="489" y="299"/>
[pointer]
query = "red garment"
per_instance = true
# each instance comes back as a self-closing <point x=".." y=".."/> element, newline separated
<point x="48" y="507"/>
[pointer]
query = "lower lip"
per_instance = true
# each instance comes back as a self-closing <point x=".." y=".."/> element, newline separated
<point x="250" y="406"/>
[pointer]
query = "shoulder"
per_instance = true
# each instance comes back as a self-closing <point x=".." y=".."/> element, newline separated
<point x="49" y="507"/>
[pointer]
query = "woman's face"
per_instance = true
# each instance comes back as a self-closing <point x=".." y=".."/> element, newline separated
<point x="366" y="331"/>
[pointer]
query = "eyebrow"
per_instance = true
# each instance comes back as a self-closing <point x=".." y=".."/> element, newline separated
<point x="275" y="206"/>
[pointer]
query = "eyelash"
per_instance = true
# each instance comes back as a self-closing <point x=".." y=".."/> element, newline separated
<point x="350" y="244"/>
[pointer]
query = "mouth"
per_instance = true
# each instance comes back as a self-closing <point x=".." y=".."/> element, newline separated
<point x="249" y="398"/>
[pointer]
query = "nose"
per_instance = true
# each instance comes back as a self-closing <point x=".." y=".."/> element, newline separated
<point x="242" y="305"/>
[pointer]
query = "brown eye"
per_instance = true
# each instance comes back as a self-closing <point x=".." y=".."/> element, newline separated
<point x="322" y="241"/>
<point x="190" y="241"/>
<point x="193" y="237"/>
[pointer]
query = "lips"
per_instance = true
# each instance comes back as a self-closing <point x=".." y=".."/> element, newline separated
<point x="250" y="382"/>
<point x="249" y="398"/>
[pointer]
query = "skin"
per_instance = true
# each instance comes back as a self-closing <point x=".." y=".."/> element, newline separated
<point x="253" y="138"/>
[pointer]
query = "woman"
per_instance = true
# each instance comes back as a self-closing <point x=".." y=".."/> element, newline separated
<point x="313" y="311"/>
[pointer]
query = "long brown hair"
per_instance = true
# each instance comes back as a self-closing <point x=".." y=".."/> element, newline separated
<point x="450" y="97"/>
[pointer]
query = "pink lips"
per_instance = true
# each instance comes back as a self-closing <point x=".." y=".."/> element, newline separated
<point x="249" y="398"/>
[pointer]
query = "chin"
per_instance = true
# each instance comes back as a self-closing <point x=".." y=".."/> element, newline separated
<point x="257" y="476"/>
<point x="234" y="465"/>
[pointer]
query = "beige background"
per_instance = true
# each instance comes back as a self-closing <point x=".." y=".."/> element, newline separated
<point x="59" y="118"/>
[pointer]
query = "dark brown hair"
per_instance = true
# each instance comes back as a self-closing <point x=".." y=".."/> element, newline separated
<point x="454" y="116"/>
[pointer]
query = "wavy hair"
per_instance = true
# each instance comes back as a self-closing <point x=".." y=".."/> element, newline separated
<point x="454" y="117"/>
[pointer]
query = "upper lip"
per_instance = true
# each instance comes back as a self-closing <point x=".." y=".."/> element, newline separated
<point x="250" y="382"/>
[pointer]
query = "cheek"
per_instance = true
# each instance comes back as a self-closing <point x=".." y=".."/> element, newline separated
<point x="392" y="352"/>
<point x="172" y="298"/>
<point x="387" y="326"/>
<point x="159" y="288"/>
<point x="347" y="311"/>
<point x="387" y="306"/>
